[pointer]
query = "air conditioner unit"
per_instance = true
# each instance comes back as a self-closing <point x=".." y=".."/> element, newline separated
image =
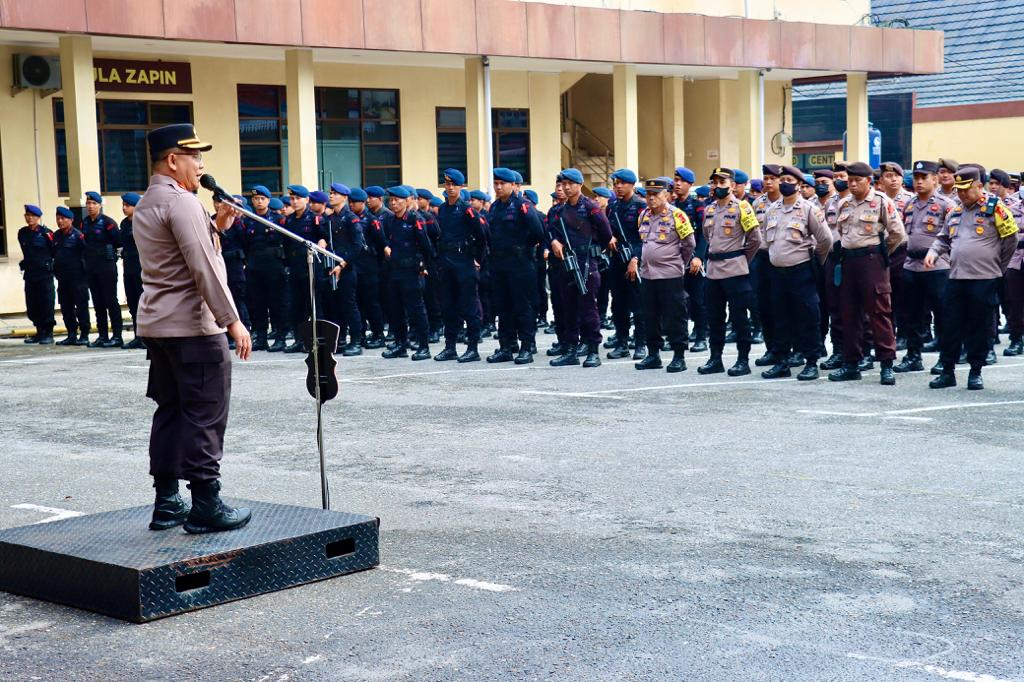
<point x="36" y="72"/>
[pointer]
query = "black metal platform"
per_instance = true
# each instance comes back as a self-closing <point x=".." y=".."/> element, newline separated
<point x="113" y="564"/>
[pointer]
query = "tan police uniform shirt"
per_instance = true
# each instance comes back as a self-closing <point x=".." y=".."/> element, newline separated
<point x="184" y="280"/>
<point x="760" y="207"/>
<point x="923" y="221"/>
<point x="1016" y="206"/>
<point x="980" y="245"/>
<point x="860" y="222"/>
<point x="668" y="243"/>
<point x="730" y="228"/>
<point x="793" y="232"/>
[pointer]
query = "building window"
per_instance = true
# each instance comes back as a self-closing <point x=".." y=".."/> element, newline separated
<point x="358" y="136"/>
<point x="510" y="129"/>
<point x="121" y="137"/>
<point x="263" y="136"/>
<point x="451" y="140"/>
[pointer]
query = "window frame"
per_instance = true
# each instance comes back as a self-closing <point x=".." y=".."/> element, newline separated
<point x="282" y="128"/>
<point x="496" y="133"/>
<point x="101" y="127"/>
<point x="321" y="91"/>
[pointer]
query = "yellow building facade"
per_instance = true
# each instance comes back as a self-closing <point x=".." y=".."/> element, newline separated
<point x="649" y="85"/>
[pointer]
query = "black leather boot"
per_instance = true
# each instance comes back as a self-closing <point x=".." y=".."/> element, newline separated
<point x="471" y="355"/>
<point x="777" y="371"/>
<point x="568" y="358"/>
<point x="887" y="376"/>
<point x="712" y="366"/>
<point x="943" y="380"/>
<point x="501" y="355"/>
<point x="652" y="361"/>
<point x="260" y="343"/>
<point x="619" y="352"/>
<point x="593" y="357"/>
<point x="834" y="361"/>
<point x="556" y="350"/>
<point x="209" y="513"/>
<point x="911" y="363"/>
<point x="169" y="510"/>
<point x="678" y="363"/>
<point x="524" y="357"/>
<point x="449" y="353"/>
<point x="278" y="344"/>
<point x="845" y="373"/>
<point x="974" y="382"/>
<point x="422" y="354"/>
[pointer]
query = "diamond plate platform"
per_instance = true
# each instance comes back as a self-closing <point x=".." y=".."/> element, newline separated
<point x="113" y="564"/>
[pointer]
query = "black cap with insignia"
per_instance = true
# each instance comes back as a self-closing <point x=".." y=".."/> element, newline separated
<point x="177" y="136"/>
<point x="726" y="173"/>
<point x="859" y="169"/>
<point x="966" y="177"/>
<point x="925" y="167"/>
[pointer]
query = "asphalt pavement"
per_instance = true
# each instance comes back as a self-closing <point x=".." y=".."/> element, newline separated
<point x="571" y="523"/>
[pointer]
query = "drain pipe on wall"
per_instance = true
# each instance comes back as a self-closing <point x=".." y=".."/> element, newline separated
<point x="487" y="125"/>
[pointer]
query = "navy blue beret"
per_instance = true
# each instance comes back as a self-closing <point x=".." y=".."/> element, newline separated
<point x="504" y="174"/>
<point x="455" y="175"/>
<point x="518" y="177"/>
<point x="571" y="175"/>
<point x="531" y="195"/>
<point x="703" y="191"/>
<point x="479" y="194"/>
<point x="260" y="190"/>
<point x="299" y="190"/>
<point x="424" y="194"/>
<point x="318" y="197"/>
<point x="464" y="194"/>
<point x="95" y="196"/>
<point x="131" y="198"/>
<point x="740" y="177"/>
<point x="34" y="210"/>
<point x="275" y="204"/>
<point x="240" y="199"/>
<point x="357" y="194"/>
<point x="285" y="200"/>
<point x="65" y="212"/>
<point x="436" y="201"/>
<point x="603" y="192"/>
<point x="375" y="191"/>
<point x="685" y="174"/>
<point x="625" y="175"/>
<point x="340" y="189"/>
<point x="399" y="191"/>
<point x="757" y="185"/>
<point x="641" y="191"/>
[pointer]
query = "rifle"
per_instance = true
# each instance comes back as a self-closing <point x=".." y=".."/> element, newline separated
<point x="572" y="264"/>
<point x="330" y="239"/>
<point x="625" y="251"/>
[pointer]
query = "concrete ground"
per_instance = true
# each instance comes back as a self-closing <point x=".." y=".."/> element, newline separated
<point x="542" y="523"/>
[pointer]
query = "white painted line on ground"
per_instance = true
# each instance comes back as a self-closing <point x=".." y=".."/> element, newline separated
<point x="910" y="419"/>
<point x="426" y="576"/>
<point x="311" y="659"/>
<point x="939" y="671"/>
<point x="57" y="514"/>
<point x="563" y="394"/>
<point x="609" y="393"/>
<point x="892" y="414"/>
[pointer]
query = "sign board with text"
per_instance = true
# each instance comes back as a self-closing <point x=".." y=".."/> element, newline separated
<point x="120" y="75"/>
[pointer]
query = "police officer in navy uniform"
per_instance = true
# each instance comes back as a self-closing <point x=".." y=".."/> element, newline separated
<point x="232" y="245"/>
<point x="461" y="248"/>
<point x="693" y="281"/>
<point x="344" y="238"/>
<point x="306" y="224"/>
<point x="131" y="265"/>
<point x="72" y="289"/>
<point x="368" y="269"/>
<point x="36" y="241"/>
<point x="376" y="204"/>
<point x="409" y="254"/>
<point x="515" y="230"/>
<point x="582" y="227"/>
<point x="102" y="240"/>
<point x="431" y="284"/>
<point x="624" y="218"/>
<point x="265" y="278"/>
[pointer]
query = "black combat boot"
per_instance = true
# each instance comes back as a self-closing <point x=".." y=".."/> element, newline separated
<point x="990" y="358"/>
<point x="944" y="380"/>
<point x="566" y="359"/>
<point x="613" y="341"/>
<point x="296" y="347"/>
<point x="769" y="359"/>
<point x="593" y="356"/>
<point x="524" y="357"/>
<point x="866" y="364"/>
<point x="777" y="371"/>
<point x="471" y="354"/>
<point x="556" y="350"/>
<point x="712" y="366"/>
<point x="46" y="336"/>
<point x="83" y="340"/>
<point x="699" y="346"/>
<point x="209" y="513"/>
<point x="449" y="353"/>
<point x="100" y="342"/>
<point x="423" y="353"/>
<point x="887" y="376"/>
<point x="974" y="382"/>
<point x="278" y="345"/>
<point x="396" y="351"/>
<point x="809" y="372"/>
<point x="740" y="368"/>
<point x="1016" y="347"/>
<point x="640" y="352"/>
<point x="911" y="363"/>
<point x="845" y="373"/>
<point x="136" y="344"/>
<point x="620" y="351"/>
<point x="834" y="361"/>
<point x="652" y="361"/>
<point x="375" y="341"/>
<point x="938" y="369"/>
<point x="678" y="363"/>
<point x="351" y="350"/>
<point x="115" y="342"/>
<point x="582" y="350"/>
<point x="169" y="510"/>
<point x="260" y="343"/>
<point x="931" y="346"/>
<point x="796" y="359"/>
<point x="71" y="340"/>
<point x="501" y="355"/>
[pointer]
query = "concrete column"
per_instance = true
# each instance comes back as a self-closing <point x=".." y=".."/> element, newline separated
<point x="79" y="117"/>
<point x="477" y="172"/>
<point x="672" y="122"/>
<point x="302" y="163"/>
<point x="545" y="130"/>
<point x="627" y="144"/>
<point x="857" y="117"/>
<point x="751" y="147"/>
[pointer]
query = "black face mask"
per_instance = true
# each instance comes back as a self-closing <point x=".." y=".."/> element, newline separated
<point x="821" y="190"/>
<point x="841" y="185"/>
<point x="722" y="192"/>
<point x="787" y="189"/>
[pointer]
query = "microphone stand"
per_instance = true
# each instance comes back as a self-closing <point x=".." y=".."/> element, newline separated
<point x="312" y="250"/>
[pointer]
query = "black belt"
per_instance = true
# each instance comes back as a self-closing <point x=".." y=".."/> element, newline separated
<point x="455" y="248"/>
<point x="917" y="254"/>
<point x="512" y="251"/>
<point x="857" y="253"/>
<point x="725" y="255"/>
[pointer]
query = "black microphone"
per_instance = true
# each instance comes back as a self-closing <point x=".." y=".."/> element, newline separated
<point x="219" y="193"/>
